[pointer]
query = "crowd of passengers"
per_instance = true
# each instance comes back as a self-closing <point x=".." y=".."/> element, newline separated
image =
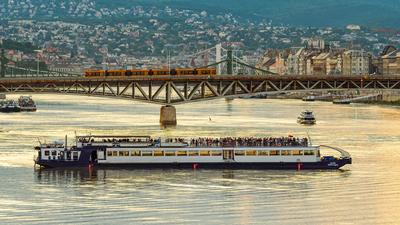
<point x="220" y="142"/>
<point x="249" y="141"/>
<point x="116" y="140"/>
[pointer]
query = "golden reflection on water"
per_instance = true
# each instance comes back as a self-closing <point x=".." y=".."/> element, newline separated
<point x="365" y="192"/>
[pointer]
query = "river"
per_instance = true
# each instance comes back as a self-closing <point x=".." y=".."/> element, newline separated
<point x="366" y="192"/>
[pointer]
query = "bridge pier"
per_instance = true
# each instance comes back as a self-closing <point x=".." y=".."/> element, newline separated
<point x="168" y="115"/>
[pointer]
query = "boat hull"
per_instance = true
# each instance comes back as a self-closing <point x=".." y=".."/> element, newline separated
<point x="336" y="164"/>
<point x="28" y="109"/>
<point x="305" y="122"/>
<point x="10" y="110"/>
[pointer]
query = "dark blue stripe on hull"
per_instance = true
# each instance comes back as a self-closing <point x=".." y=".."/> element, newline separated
<point x="252" y="166"/>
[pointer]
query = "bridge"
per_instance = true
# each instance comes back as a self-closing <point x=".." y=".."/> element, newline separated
<point x="173" y="90"/>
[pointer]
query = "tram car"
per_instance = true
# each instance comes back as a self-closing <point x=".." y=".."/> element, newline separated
<point x="150" y="72"/>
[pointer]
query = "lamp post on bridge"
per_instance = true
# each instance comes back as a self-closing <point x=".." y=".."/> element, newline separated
<point x="2" y="60"/>
<point x="38" y="52"/>
<point x="3" y="63"/>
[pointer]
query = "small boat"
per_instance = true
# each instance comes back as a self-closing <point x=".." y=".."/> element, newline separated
<point x="27" y="104"/>
<point x="341" y="101"/>
<point x="309" y="98"/>
<point x="145" y="152"/>
<point x="9" y="106"/>
<point x="306" y="117"/>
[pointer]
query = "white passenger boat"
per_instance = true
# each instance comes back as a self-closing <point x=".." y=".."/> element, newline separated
<point x="306" y="117"/>
<point x="144" y="152"/>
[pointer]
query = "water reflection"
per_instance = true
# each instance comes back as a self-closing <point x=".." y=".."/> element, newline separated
<point x="222" y="177"/>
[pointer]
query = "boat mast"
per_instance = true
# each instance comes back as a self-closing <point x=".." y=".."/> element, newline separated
<point x="66" y="142"/>
<point x="309" y="139"/>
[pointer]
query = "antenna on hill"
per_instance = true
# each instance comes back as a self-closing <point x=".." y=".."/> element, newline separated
<point x="169" y="62"/>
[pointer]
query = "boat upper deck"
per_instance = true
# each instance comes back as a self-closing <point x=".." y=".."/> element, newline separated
<point x="147" y="141"/>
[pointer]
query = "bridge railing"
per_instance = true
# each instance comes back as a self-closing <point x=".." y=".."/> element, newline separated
<point x="20" y="72"/>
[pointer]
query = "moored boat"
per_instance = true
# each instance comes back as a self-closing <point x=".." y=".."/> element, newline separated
<point x="144" y="152"/>
<point x="9" y="106"/>
<point x="27" y="104"/>
<point x="309" y="98"/>
<point x="341" y="101"/>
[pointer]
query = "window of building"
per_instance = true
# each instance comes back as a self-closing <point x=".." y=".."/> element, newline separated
<point x="264" y="153"/>
<point x="240" y="152"/>
<point x="53" y="153"/>
<point x="46" y="153"/>
<point x="251" y="152"/>
<point x="274" y="152"/>
<point x="114" y="153"/>
<point x="170" y="153"/>
<point x="158" y="153"/>
<point x="135" y="153"/>
<point x="109" y="153"/>
<point x="205" y="153"/>
<point x="181" y="153"/>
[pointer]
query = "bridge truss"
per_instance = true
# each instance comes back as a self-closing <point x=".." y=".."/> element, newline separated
<point x="172" y="90"/>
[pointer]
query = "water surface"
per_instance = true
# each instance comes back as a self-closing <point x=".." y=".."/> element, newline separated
<point x="366" y="192"/>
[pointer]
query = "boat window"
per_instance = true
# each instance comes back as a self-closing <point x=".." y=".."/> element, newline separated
<point x="297" y="152"/>
<point x="285" y="152"/>
<point x="251" y="152"/>
<point x="109" y="153"/>
<point x="274" y="152"/>
<point x="239" y="152"/>
<point x="46" y="153"/>
<point x="147" y="153"/>
<point x="53" y="153"/>
<point x="308" y="152"/>
<point x="114" y="153"/>
<point x="181" y="153"/>
<point x="135" y="153"/>
<point x="75" y="156"/>
<point x="205" y="153"/>
<point x="264" y="153"/>
<point x="158" y="153"/>
<point x="170" y="153"/>
<point x="123" y="153"/>
<point x="193" y="153"/>
<point x="216" y="153"/>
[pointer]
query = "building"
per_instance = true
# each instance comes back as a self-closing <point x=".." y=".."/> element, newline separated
<point x="391" y="63"/>
<point x="319" y="63"/>
<point x="319" y="60"/>
<point x="356" y="62"/>
<point x="387" y="63"/>
<point x="334" y="64"/>
<point x="295" y="62"/>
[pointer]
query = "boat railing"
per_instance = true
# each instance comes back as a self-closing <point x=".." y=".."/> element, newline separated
<point x="343" y="153"/>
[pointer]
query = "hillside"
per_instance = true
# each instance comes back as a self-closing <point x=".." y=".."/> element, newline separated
<point x="338" y="13"/>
